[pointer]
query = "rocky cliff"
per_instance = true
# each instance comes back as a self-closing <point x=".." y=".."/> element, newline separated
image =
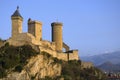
<point x="24" y="63"/>
<point x="36" y="68"/>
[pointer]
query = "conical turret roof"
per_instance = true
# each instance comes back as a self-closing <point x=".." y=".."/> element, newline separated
<point x="16" y="13"/>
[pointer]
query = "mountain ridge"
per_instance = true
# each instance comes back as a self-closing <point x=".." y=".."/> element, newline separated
<point x="109" y="67"/>
<point x="113" y="57"/>
<point x="108" y="62"/>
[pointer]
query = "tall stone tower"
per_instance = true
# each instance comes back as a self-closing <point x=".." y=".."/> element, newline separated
<point x="57" y="35"/>
<point x="35" y="28"/>
<point x="17" y="20"/>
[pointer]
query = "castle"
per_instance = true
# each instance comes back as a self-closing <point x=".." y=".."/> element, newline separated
<point x="34" y="37"/>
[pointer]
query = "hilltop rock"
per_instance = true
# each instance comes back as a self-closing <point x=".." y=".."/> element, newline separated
<point x="38" y="67"/>
<point x="25" y="63"/>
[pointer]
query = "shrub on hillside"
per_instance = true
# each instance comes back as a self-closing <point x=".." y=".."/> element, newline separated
<point x="72" y="70"/>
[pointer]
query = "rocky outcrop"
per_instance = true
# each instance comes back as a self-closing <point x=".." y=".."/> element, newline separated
<point x="37" y="67"/>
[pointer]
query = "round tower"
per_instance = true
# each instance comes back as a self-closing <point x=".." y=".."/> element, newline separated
<point x="57" y="35"/>
<point x="17" y="20"/>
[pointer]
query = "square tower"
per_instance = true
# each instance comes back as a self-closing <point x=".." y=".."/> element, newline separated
<point x="17" y="20"/>
<point x="35" y="28"/>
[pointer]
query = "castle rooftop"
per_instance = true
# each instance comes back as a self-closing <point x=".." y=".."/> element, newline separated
<point x="56" y="23"/>
<point x="30" y="21"/>
<point x="16" y="13"/>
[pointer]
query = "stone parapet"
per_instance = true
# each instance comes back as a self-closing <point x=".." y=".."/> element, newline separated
<point x="73" y="55"/>
<point x="62" y="56"/>
<point x="33" y="22"/>
<point x="56" y="24"/>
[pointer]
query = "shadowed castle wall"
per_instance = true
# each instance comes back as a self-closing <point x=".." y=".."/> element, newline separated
<point x="73" y="55"/>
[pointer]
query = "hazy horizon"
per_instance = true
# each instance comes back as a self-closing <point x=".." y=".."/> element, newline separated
<point x="91" y="26"/>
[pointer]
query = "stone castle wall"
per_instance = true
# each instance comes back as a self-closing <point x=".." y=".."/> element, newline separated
<point x="62" y="56"/>
<point x="22" y="39"/>
<point x="48" y="44"/>
<point x="73" y="55"/>
<point x="34" y="38"/>
<point x="44" y="46"/>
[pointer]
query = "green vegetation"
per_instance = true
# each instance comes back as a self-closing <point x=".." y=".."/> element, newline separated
<point x="14" y="58"/>
<point x="72" y="70"/>
<point x="0" y="39"/>
<point x="1" y="42"/>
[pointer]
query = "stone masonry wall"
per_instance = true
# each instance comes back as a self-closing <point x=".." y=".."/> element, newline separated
<point x="57" y="35"/>
<point x="62" y="56"/>
<point x="16" y="25"/>
<point x="35" y="28"/>
<point x="73" y="55"/>
<point x="46" y="46"/>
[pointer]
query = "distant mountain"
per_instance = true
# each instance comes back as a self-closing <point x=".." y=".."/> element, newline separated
<point x="109" y="67"/>
<point x="113" y="57"/>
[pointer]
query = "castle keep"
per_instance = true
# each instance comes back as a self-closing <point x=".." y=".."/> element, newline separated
<point x="34" y="37"/>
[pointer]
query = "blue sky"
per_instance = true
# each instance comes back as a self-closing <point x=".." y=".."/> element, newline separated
<point x="92" y="26"/>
